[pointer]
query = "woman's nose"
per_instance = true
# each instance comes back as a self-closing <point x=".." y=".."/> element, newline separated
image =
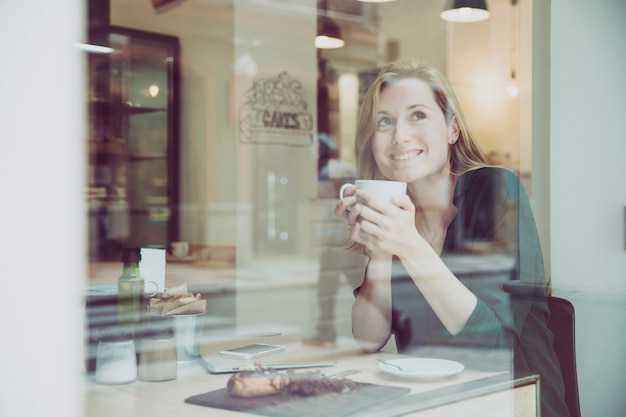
<point x="400" y="134"/>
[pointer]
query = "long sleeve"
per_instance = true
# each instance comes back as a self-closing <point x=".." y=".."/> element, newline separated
<point x="494" y="221"/>
<point x="481" y="250"/>
<point x="483" y="328"/>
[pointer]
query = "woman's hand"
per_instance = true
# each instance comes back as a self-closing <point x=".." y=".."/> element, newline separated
<point x="343" y="207"/>
<point x="383" y="227"/>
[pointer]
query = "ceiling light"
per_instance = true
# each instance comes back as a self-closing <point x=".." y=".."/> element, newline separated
<point x="328" y="34"/>
<point x="465" y="11"/>
<point x="93" y="49"/>
<point x="512" y="88"/>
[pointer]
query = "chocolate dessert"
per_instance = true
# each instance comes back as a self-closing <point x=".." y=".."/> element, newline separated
<point x="261" y="382"/>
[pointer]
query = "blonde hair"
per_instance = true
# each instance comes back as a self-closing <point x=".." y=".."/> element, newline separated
<point x="465" y="154"/>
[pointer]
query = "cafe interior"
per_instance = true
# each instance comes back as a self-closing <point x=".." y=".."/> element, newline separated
<point x="214" y="135"/>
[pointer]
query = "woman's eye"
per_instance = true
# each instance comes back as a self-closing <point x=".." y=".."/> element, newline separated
<point x="418" y="115"/>
<point x="383" y="122"/>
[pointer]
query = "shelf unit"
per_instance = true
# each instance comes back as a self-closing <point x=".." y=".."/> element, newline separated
<point x="133" y="141"/>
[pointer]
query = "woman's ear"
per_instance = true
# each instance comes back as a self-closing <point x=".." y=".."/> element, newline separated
<point x="453" y="132"/>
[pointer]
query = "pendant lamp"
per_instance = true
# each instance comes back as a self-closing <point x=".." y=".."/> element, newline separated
<point x="465" y="11"/>
<point x="512" y="88"/>
<point x="328" y="32"/>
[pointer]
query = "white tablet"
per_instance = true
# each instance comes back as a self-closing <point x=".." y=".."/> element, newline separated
<point x="253" y="351"/>
<point x="220" y="365"/>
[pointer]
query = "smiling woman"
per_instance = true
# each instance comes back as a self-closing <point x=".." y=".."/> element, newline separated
<point x="411" y="129"/>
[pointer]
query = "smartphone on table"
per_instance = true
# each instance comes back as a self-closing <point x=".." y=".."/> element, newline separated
<point x="253" y="351"/>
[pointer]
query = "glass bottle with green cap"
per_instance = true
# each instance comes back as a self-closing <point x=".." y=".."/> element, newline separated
<point x="130" y="292"/>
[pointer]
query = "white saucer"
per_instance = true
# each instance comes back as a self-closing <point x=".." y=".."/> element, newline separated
<point x="422" y="368"/>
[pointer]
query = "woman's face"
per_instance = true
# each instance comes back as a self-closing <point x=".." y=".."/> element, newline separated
<point x="412" y="139"/>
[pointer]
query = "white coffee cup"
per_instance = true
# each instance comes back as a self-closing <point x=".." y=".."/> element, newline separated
<point x="381" y="188"/>
<point x="180" y="249"/>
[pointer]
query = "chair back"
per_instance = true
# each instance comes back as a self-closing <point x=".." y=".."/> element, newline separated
<point x="562" y="325"/>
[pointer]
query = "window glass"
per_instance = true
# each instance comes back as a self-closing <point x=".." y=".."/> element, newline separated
<point x="264" y="136"/>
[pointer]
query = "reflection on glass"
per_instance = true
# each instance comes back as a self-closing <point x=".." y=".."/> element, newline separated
<point x="153" y="90"/>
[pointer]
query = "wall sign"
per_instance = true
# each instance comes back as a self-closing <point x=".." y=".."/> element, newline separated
<point x="276" y="111"/>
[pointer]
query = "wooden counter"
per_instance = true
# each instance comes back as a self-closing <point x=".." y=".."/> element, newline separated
<point x="479" y="390"/>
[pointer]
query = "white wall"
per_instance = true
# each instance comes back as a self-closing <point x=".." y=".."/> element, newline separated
<point x="42" y="176"/>
<point x="420" y="33"/>
<point x="588" y="190"/>
<point x="480" y="58"/>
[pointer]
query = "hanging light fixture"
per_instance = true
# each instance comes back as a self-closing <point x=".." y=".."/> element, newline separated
<point x="465" y="11"/>
<point x="328" y="31"/>
<point x="512" y="88"/>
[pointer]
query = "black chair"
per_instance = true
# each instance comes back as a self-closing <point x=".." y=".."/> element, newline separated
<point x="562" y="326"/>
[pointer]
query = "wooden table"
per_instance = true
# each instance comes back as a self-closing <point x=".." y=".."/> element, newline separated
<point x="486" y="389"/>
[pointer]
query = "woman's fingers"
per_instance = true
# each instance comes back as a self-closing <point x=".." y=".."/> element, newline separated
<point x="368" y="199"/>
<point x="384" y="226"/>
<point x="404" y="202"/>
<point x="355" y="233"/>
<point x="374" y="210"/>
<point x="375" y="223"/>
<point x="345" y="204"/>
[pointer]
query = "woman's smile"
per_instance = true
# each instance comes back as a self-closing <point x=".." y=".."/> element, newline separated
<point x="403" y="156"/>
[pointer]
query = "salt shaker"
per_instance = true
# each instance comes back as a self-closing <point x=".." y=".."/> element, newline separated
<point x="116" y="359"/>
<point x="157" y="359"/>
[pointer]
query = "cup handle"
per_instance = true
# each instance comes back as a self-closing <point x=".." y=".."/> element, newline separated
<point x="153" y="288"/>
<point x="342" y="189"/>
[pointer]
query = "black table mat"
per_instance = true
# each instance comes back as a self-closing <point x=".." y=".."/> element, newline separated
<point x="290" y="405"/>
